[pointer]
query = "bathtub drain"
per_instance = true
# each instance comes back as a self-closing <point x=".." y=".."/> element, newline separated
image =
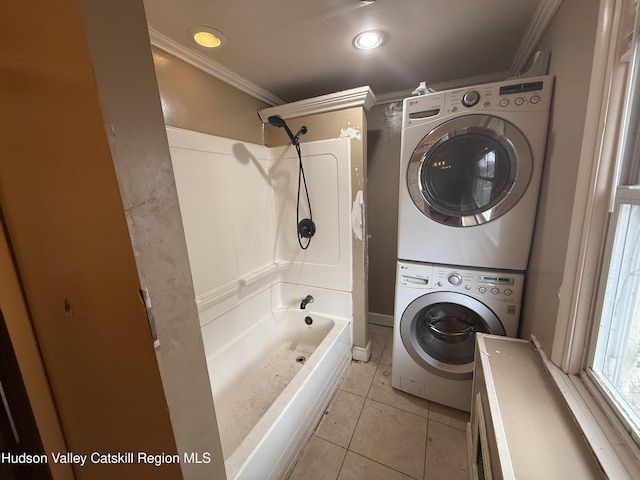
<point x="301" y="359"/>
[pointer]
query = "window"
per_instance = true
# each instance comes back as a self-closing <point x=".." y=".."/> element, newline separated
<point x="614" y="356"/>
<point x="615" y="362"/>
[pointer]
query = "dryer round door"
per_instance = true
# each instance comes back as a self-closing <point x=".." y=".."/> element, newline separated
<point x="469" y="170"/>
<point x="438" y="331"/>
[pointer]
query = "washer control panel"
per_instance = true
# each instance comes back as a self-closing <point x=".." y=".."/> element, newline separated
<point x="501" y="285"/>
<point x="498" y="285"/>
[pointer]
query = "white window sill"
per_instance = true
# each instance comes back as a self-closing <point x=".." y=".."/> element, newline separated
<point x="617" y="459"/>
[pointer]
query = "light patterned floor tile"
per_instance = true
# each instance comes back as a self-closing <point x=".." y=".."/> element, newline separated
<point x="380" y="330"/>
<point x="446" y="457"/>
<point x="358" y="378"/>
<point x="377" y="347"/>
<point x="449" y="416"/>
<point x="320" y="460"/>
<point x="386" y="434"/>
<point x="357" y="467"/>
<point x="382" y="391"/>
<point x="392" y="437"/>
<point x="387" y="353"/>
<point x="339" y="421"/>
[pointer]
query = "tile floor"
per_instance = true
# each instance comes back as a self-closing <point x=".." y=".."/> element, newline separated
<point x="371" y="431"/>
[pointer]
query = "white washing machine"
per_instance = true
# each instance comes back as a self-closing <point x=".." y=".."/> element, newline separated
<point x="438" y="310"/>
<point x="470" y="170"/>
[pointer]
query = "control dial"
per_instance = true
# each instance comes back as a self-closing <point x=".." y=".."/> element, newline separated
<point x="470" y="98"/>
<point x="454" y="279"/>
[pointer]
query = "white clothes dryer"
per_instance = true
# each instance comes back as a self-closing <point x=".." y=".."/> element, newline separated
<point x="470" y="169"/>
<point x="438" y="311"/>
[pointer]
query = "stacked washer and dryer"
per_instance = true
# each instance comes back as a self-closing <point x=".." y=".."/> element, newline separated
<point x="470" y="170"/>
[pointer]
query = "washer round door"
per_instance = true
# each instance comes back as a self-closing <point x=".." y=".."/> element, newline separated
<point x="469" y="170"/>
<point x="438" y="331"/>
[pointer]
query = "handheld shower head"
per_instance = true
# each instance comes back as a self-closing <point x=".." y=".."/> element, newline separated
<point x="306" y="227"/>
<point x="278" y="121"/>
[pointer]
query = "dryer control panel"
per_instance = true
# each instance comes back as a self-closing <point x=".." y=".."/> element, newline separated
<point x="517" y="95"/>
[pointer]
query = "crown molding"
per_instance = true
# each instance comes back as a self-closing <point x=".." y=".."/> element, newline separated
<point x="541" y="19"/>
<point x="355" y="97"/>
<point x="212" y="67"/>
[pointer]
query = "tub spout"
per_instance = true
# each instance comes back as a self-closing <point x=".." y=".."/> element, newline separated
<point x="306" y="300"/>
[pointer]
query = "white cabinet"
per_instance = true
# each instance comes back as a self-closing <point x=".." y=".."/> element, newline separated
<point x="520" y="426"/>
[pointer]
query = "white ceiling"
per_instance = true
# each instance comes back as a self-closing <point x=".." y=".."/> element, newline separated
<point x="288" y="50"/>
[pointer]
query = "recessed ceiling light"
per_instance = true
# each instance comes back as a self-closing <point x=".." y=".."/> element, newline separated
<point x="207" y="37"/>
<point x="368" y="40"/>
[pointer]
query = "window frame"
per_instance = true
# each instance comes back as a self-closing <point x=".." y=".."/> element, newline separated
<point x="624" y="162"/>
<point x="607" y="110"/>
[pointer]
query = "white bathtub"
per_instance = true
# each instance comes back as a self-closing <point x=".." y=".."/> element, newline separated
<point x="268" y="403"/>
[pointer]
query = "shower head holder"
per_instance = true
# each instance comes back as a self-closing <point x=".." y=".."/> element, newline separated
<point x="306" y="228"/>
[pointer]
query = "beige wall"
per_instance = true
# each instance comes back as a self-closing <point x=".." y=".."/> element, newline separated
<point x="383" y="163"/>
<point x="65" y="222"/>
<point x="570" y="40"/>
<point x="194" y="100"/>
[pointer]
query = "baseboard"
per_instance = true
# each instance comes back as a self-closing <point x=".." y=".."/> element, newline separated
<point x="380" y="319"/>
<point x="361" y="354"/>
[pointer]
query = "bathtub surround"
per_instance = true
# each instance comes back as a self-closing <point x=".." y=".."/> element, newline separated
<point x="238" y="209"/>
<point x="332" y="116"/>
